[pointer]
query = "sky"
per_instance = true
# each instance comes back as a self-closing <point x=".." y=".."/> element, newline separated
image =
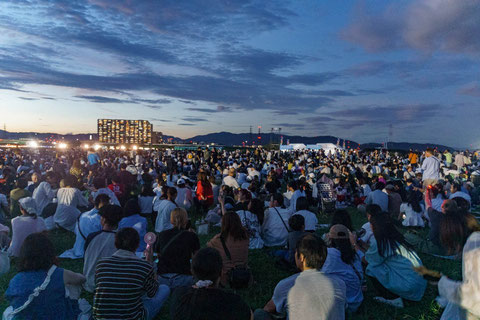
<point x="367" y="71"/>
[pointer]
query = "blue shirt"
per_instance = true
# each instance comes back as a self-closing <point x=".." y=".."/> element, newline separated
<point x="379" y="198"/>
<point x="89" y="222"/>
<point x="395" y="271"/>
<point x="93" y="158"/>
<point x="335" y="266"/>
<point x="431" y="168"/>
<point x="138" y="223"/>
<point x="51" y="303"/>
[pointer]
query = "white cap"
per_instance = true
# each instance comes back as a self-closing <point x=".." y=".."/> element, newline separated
<point x="28" y="204"/>
<point x="180" y="181"/>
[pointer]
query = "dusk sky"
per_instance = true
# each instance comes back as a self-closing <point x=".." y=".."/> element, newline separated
<point x="344" y="68"/>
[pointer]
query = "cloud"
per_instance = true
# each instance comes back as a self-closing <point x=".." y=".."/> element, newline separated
<point x="159" y="120"/>
<point x="29" y="99"/>
<point x="100" y="99"/>
<point x="208" y="110"/>
<point x="472" y="89"/>
<point x="186" y="124"/>
<point x="192" y="119"/>
<point x="424" y="25"/>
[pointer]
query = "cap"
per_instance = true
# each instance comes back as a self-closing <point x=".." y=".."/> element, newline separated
<point x="339" y="231"/>
<point x="389" y="187"/>
<point x="28" y="204"/>
<point x="180" y="181"/>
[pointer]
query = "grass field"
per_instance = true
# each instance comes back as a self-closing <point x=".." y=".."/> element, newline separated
<point x="267" y="276"/>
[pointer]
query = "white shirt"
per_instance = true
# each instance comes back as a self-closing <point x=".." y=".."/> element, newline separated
<point x="108" y="192"/>
<point x="184" y="198"/>
<point x="310" y="219"/>
<point x="293" y="200"/>
<point x="231" y="182"/>
<point x="165" y="208"/>
<point x="464" y="294"/>
<point x="273" y="229"/>
<point x="43" y="195"/>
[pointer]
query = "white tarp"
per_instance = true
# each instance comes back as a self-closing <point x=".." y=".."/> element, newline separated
<point x="327" y="147"/>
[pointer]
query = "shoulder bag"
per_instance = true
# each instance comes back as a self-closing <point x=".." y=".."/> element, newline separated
<point x="239" y="276"/>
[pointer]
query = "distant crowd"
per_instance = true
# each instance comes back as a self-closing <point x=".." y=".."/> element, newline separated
<point x="257" y="199"/>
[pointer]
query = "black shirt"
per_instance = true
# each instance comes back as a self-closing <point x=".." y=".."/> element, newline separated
<point x="176" y="258"/>
<point x="207" y="304"/>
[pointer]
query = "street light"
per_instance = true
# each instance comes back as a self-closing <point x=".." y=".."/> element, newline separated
<point x="86" y="146"/>
<point x="32" y="144"/>
<point x="96" y="147"/>
<point x="62" y="145"/>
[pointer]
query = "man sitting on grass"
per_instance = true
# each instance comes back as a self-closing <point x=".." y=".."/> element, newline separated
<point x="126" y="286"/>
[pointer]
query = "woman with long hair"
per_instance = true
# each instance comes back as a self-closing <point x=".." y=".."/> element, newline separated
<point x="165" y="207"/>
<point x="235" y="239"/>
<point x="390" y="260"/>
<point x="413" y="210"/>
<point x="250" y="218"/>
<point x="344" y="262"/>
<point x="37" y="271"/>
<point x="204" y="193"/>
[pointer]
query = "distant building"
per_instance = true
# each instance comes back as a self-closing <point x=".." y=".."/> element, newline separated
<point x="157" y="137"/>
<point x="124" y="131"/>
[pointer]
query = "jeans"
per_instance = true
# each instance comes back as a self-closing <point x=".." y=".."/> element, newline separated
<point x="153" y="305"/>
<point x="175" y="280"/>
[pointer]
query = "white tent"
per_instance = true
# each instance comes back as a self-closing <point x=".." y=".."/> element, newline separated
<point x="329" y="147"/>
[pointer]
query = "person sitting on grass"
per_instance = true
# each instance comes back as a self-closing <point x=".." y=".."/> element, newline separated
<point x="165" y="208"/>
<point x="125" y="285"/>
<point x="297" y="231"/>
<point x="175" y="248"/>
<point x="462" y="298"/>
<point x="390" y="260"/>
<point x="205" y="300"/>
<point x="344" y="262"/>
<point x="315" y="295"/>
<point x="310" y="217"/>
<point x="132" y="218"/>
<point x="102" y="243"/>
<point x="25" y="225"/>
<point x="38" y="290"/>
<point x="234" y="238"/>
<point x="274" y="228"/>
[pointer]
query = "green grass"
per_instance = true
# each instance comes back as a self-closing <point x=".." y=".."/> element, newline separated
<point x="267" y="276"/>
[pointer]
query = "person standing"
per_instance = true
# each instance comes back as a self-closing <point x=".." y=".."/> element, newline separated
<point x="430" y="168"/>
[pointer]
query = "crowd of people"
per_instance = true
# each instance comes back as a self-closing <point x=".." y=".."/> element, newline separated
<point x="256" y="199"/>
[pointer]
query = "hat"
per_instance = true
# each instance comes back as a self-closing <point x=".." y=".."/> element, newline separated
<point x="469" y="183"/>
<point x="389" y="187"/>
<point x="28" y="204"/>
<point x="180" y="181"/>
<point x="339" y="231"/>
<point x="311" y="175"/>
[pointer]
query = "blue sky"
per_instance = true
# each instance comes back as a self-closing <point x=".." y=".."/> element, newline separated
<point x="345" y="68"/>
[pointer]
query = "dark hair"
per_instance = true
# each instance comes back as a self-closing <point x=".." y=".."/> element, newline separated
<point x="296" y="222"/>
<point x="278" y="197"/>
<point x="456" y="186"/>
<point x="414" y="201"/>
<point x="102" y="198"/>
<point x="387" y="236"/>
<point x="373" y="209"/>
<point x="112" y="214"/>
<point x="127" y="239"/>
<point x="347" y="252"/>
<point x="116" y="178"/>
<point x="342" y="217"/>
<point x="207" y="264"/>
<point x="463" y="204"/>
<point x="131" y="207"/>
<point x="302" y="204"/>
<point x="293" y="184"/>
<point x="257" y="208"/>
<point x="313" y="249"/>
<point x="99" y="183"/>
<point x="232" y="226"/>
<point x="21" y="183"/>
<point x="147" y="191"/>
<point x="379" y="185"/>
<point x="69" y="180"/>
<point x="37" y="253"/>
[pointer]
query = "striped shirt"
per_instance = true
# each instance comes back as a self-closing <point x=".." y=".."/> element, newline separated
<point x="121" y="282"/>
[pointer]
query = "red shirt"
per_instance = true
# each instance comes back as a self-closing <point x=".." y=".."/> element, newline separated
<point x="205" y="192"/>
<point x="118" y="189"/>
